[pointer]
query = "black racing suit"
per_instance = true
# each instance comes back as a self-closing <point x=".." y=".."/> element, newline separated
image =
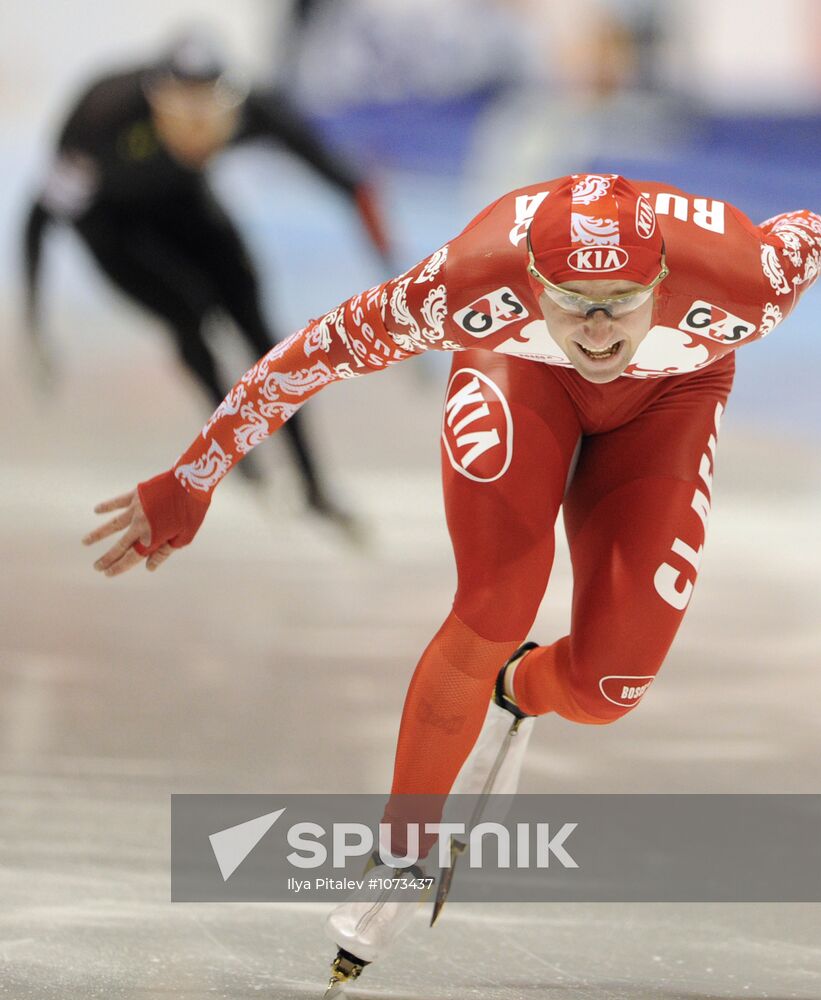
<point x="155" y="228"/>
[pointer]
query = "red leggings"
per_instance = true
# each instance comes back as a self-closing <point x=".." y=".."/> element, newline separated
<point x="631" y="462"/>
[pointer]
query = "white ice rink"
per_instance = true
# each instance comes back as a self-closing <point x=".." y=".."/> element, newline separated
<point x="271" y="657"/>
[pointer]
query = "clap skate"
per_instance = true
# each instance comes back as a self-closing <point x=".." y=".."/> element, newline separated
<point x="493" y="767"/>
<point x="363" y="929"/>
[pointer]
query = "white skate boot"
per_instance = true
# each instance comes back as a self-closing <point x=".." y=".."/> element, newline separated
<point x="363" y="929"/>
<point x="493" y="767"/>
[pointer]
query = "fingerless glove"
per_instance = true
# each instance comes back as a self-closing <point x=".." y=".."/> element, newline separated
<point x="174" y="514"/>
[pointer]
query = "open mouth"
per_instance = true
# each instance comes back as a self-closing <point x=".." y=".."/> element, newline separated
<point x="607" y="352"/>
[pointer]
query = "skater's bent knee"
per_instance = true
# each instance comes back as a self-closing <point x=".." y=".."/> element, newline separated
<point x="609" y="697"/>
<point x="594" y="691"/>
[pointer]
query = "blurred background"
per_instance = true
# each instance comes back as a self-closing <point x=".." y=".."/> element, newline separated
<point x="445" y="106"/>
<point x="273" y="655"/>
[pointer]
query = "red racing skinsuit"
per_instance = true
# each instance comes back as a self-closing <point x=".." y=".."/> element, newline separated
<point x="523" y="433"/>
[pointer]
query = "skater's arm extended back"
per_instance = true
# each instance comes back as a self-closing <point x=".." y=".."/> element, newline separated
<point x="270" y="115"/>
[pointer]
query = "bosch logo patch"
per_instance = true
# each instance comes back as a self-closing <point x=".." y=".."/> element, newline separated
<point x="477" y="428"/>
<point x="645" y="218"/>
<point x="598" y="259"/>
<point x="707" y="320"/>
<point x="491" y="313"/>
<point x="624" y="690"/>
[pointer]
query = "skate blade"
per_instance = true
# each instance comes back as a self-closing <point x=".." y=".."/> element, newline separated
<point x="336" y="988"/>
<point x="445" y="880"/>
<point x="337" y="984"/>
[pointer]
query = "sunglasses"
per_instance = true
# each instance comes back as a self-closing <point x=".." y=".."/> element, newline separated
<point x="576" y="304"/>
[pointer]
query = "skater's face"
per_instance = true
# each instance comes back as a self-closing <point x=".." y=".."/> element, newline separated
<point x="193" y="120"/>
<point x="599" y="345"/>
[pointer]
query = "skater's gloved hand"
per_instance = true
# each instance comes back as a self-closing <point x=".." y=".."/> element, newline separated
<point x="371" y="215"/>
<point x="157" y="518"/>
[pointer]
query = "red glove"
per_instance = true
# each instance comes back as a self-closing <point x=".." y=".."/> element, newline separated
<point x="173" y="513"/>
<point x="372" y="219"/>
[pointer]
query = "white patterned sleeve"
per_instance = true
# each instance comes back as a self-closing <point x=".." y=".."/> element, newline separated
<point x="370" y="331"/>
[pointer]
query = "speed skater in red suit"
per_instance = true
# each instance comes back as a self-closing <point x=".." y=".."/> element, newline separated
<point x="594" y="323"/>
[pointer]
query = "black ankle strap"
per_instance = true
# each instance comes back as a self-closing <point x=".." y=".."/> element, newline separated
<point x="500" y="697"/>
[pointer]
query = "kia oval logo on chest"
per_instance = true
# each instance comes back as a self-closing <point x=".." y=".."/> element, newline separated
<point x="598" y="259"/>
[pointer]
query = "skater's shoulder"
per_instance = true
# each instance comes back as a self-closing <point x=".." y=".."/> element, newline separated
<point x="694" y="222"/>
<point x="493" y="243"/>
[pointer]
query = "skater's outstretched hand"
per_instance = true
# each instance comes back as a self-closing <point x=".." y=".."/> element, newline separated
<point x="133" y="522"/>
<point x="156" y="518"/>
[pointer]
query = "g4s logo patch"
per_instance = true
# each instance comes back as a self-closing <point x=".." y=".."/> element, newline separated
<point x="707" y="320"/>
<point x="490" y="313"/>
